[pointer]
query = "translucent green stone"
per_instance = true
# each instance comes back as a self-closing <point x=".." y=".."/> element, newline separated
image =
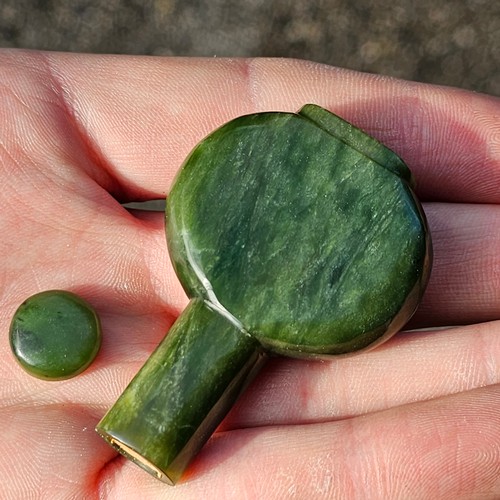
<point x="55" y="335"/>
<point x="303" y="229"/>
<point x="294" y="234"/>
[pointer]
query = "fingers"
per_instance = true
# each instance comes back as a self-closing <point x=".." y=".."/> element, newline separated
<point x="464" y="286"/>
<point x="446" y="448"/>
<point x="130" y="122"/>
<point x="141" y="117"/>
<point x="408" y="368"/>
<point x="50" y="448"/>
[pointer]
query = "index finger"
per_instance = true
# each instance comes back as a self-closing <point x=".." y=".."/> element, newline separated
<point x="141" y="116"/>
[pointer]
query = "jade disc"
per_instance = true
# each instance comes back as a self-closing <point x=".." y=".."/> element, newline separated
<point x="302" y="230"/>
<point x="55" y="335"/>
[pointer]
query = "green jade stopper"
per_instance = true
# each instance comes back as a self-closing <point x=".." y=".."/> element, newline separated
<point x="293" y="234"/>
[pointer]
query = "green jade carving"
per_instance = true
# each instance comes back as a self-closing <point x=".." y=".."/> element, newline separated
<point x="293" y="234"/>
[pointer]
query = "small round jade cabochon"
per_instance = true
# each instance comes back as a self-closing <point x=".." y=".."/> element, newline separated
<point x="55" y="335"/>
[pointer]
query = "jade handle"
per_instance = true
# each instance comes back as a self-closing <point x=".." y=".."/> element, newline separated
<point x="182" y="393"/>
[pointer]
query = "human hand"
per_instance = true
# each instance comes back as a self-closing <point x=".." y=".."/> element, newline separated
<point x="418" y="417"/>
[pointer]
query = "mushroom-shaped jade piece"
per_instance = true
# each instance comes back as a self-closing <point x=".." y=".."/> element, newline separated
<point x="293" y="234"/>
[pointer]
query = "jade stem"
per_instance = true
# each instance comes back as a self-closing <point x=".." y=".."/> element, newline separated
<point x="182" y="393"/>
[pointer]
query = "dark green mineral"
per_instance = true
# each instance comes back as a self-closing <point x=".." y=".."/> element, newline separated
<point x="293" y="234"/>
<point x="55" y="335"/>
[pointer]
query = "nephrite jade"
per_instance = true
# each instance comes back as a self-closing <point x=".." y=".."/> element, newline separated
<point x="55" y="334"/>
<point x="293" y="234"/>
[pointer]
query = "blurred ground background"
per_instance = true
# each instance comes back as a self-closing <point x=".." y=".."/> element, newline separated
<point x="452" y="42"/>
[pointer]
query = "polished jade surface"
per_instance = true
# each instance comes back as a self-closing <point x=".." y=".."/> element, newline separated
<point x="302" y="229"/>
<point x="55" y="335"/>
<point x="182" y="393"/>
<point x="293" y="234"/>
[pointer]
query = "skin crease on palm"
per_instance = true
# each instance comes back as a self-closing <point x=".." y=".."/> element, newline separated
<point x="416" y="418"/>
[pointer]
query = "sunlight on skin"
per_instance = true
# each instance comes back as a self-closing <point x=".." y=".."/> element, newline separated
<point x="418" y="417"/>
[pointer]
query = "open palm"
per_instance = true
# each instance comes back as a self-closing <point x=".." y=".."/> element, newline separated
<point x="418" y="417"/>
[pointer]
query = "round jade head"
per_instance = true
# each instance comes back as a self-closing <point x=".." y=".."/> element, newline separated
<point x="301" y="230"/>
